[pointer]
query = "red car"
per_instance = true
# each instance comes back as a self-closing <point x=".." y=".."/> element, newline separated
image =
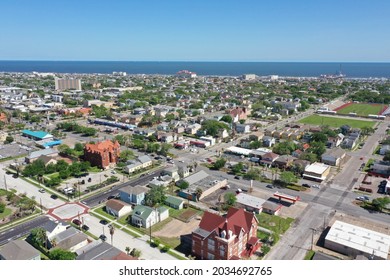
<point x="76" y="222"/>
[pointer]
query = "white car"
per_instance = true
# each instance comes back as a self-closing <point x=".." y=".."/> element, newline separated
<point x="315" y="186"/>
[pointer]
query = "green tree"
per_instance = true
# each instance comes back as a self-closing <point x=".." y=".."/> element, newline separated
<point x="380" y="203"/>
<point x="287" y="177"/>
<point x="156" y="195"/>
<point x="2" y="207"/>
<point x="230" y="200"/>
<point x="317" y="148"/>
<point x="183" y="184"/>
<point x="237" y="168"/>
<point x="319" y="137"/>
<point x="212" y="127"/>
<point x="198" y="193"/>
<point x="387" y="156"/>
<point x="78" y="147"/>
<point x="227" y="119"/>
<point x="284" y="148"/>
<point x="252" y="174"/>
<point x="367" y="130"/>
<point x="8" y="139"/>
<point x="38" y="237"/>
<point x="61" y="254"/>
<point x="309" y="156"/>
<point x="126" y="155"/>
<point x="219" y="163"/>
<point x="164" y="149"/>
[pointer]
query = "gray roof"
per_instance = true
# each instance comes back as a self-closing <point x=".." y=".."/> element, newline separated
<point x="336" y="153"/>
<point x="18" y="250"/>
<point x="173" y="200"/>
<point x="202" y="232"/>
<point x="192" y="179"/>
<point x="39" y="153"/>
<point x="144" y="159"/>
<point x="69" y="238"/>
<point x="100" y="251"/>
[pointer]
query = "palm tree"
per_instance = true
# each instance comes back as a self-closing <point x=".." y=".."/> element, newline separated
<point x="112" y="230"/>
<point x="198" y="193"/>
<point x="128" y="250"/>
<point x="39" y="237"/>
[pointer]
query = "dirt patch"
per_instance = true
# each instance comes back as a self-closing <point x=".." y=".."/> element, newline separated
<point x="176" y="228"/>
<point x="187" y="215"/>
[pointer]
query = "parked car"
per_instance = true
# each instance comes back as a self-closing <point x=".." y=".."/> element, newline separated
<point x="104" y="222"/>
<point x="237" y="177"/>
<point x="103" y="237"/>
<point x="363" y="198"/>
<point x="269" y="186"/>
<point x="42" y="190"/>
<point x="315" y="186"/>
<point x="306" y="185"/>
<point x="54" y="196"/>
<point x="77" y="222"/>
<point x="85" y="227"/>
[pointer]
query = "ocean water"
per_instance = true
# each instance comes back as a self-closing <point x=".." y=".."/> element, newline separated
<point x="294" y="69"/>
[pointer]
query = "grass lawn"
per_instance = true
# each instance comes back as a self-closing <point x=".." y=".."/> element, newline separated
<point x="362" y="109"/>
<point x="7" y="212"/>
<point x="336" y="122"/>
<point x="94" y="169"/>
<point x="277" y="224"/>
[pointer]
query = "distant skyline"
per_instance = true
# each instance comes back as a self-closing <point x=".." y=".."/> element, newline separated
<point x="179" y="30"/>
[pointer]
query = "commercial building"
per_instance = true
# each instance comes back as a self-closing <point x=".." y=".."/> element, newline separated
<point x="67" y="83"/>
<point x="102" y="154"/>
<point x="316" y="171"/>
<point x="353" y="241"/>
<point x="229" y="237"/>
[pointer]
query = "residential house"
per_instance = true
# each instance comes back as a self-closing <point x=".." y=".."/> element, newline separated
<point x="174" y="202"/>
<point x="99" y="250"/>
<point x="349" y="143"/>
<point x="229" y="237"/>
<point x="381" y="168"/>
<point x="384" y="149"/>
<point x="268" y="141"/>
<point x="117" y="208"/>
<point x="142" y="162"/>
<point x="161" y="181"/>
<point x="268" y="158"/>
<point x="71" y="240"/>
<point x="283" y="161"/>
<point x="333" y="157"/>
<point x="144" y="216"/>
<point x="102" y="154"/>
<point x="47" y="160"/>
<point x="238" y="113"/>
<point x="35" y="155"/>
<point x="173" y="172"/>
<point x="335" y="141"/>
<point x="316" y="171"/>
<point x="193" y="128"/>
<point x="19" y="250"/>
<point x="133" y="195"/>
<point x="242" y="128"/>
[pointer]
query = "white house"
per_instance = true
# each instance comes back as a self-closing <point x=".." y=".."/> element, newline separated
<point x="117" y="208"/>
<point x="144" y="216"/>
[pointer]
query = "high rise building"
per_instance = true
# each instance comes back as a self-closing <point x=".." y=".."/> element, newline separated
<point x="67" y="83"/>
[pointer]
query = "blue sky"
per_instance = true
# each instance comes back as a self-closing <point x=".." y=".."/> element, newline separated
<point x="198" y="30"/>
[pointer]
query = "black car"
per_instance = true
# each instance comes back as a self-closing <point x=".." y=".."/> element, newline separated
<point x="269" y="186"/>
<point x="85" y="227"/>
<point x="104" y="222"/>
<point x="54" y="196"/>
<point x="237" y="177"/>
<point x="103" y="237"/>
<point x="306" y="185"/>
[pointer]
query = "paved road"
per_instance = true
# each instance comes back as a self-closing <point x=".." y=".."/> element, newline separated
<point x="100" y="197"/>
<point x="22" y="229"/>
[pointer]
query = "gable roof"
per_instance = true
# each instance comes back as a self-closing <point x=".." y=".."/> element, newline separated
<point x="18" y="250"/>
<point x="134" y="190"/>
<point x="115" y="204"/>
<point x="104" y="251"/>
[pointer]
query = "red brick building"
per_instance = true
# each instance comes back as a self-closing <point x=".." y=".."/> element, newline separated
<point x="102" y="154"/>
<point x="229" y="237"/>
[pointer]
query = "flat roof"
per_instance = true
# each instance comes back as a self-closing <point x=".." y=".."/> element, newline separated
<point x="361" y="239"/>
<point x="238" y="150"/>
<point x="250" y="200"/>
<point x="317" y="168"/>
<point x="37" y="134"/>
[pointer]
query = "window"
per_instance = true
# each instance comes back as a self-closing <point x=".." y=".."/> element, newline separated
<point x="222" y="251"/>
<point x="210" y="256"/>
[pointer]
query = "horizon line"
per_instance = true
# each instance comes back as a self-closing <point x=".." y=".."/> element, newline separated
<point x="188" y="61"/>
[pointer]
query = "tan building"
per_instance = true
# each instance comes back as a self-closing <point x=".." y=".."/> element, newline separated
<point x="316" y="171"/>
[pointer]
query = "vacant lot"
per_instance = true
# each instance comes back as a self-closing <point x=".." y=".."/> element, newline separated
<point x="336" y="122"/>
<point x="363" y="109"/>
